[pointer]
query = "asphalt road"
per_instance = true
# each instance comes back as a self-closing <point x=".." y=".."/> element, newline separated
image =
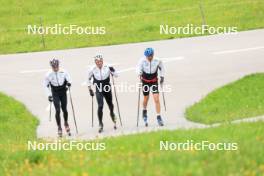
<point x="194" y="67"/>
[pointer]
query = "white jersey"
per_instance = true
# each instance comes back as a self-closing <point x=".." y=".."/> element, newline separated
<point x="55" y="79"/>
<point x="97" y="74"/>
<point x="146" y="67"/>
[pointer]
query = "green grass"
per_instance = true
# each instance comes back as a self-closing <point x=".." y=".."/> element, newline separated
<point x="241" y="99"/>
<point x="140" y="155"/>
<point x="129" y="155"/>
<point x="125" y="21"/>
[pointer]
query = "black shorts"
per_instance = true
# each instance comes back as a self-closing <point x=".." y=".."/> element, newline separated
<point x="147" y="87"/>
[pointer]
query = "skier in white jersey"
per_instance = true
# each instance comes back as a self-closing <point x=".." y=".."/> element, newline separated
<point x="99" y="75"/>
<point x="56" y="84"/>
<point x="148" y="69"/>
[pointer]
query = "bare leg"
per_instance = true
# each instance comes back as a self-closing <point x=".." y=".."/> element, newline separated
<point x="145" y="102"/>
<point x="157" y="102"/>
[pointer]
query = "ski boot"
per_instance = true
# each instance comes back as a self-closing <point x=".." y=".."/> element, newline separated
<point x="113" y="117"/>
<point x="101" y="128"/>
<point x="145" y="118"/>
<point x="67" y="129"/>
<point x="160" y="121"/>
<point x="60" y="132"/>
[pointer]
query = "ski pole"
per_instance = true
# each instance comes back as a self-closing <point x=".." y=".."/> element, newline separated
<point x="163" y="96"/>
<point x="92" y="111"/>
<point x="73" y="111"/>
<point x="50" y="112"/>
<point x="50" y="103"/>
<point x="138" y="109"/>
<point x="116" y="100"/>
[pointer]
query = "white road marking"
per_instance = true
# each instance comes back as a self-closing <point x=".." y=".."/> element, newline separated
<point x="165" y="60"/>
<point x="126" y="70"/>
<point x="84" y="83"/>
<point x="238" y="50"/>
<point x="34" y="71"/>
<point x="170" y="59"/>
<point x="45" y="70"/>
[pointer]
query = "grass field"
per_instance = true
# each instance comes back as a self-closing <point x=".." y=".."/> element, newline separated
<point x="240" y="99"/>
<point x="125" y="21"/>
<point x="129" y="155"/>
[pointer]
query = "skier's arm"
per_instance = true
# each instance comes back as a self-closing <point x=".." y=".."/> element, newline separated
<point x="47" y="85"/>
<point x="68" y="78"/>
<point x="90" y="81"/>
<point x="139" y="68"/>
<point x="161" y="69"/>
<point x="90" y="78"/>
<point x="113" y="71"/>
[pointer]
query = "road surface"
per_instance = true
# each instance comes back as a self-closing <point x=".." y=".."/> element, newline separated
<point x="194" y="67"/>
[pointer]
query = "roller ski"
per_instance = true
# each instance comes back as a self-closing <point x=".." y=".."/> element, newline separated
<point x="67" y="129"/>
<point x="160" y="121"/>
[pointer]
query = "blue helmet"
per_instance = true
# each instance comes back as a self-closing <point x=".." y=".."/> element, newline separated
<point x="149" y="52"/>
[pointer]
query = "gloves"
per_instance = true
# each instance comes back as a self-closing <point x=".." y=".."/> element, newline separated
<point x="69" y="84"/>
<point x="50" y="99"/>
<point x="91" y="92"/>
<point x="161" y="80"/>
<point x="112" y="69"/>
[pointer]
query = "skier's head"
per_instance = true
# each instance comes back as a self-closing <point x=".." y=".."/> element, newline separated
<point x="54" y="63"/>
<point x="149" y="53"/>
<point x="98" y="59"/>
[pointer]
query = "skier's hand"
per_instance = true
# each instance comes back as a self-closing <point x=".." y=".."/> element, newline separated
<point x="50" y="99"/>
<point x="91" y="92"/>
<point x="161" y="80"/>
<point x="69" y="84"/>
<point x="112" y="69"/>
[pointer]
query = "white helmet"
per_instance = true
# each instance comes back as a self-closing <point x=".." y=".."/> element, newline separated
<point x="98" y="57"/>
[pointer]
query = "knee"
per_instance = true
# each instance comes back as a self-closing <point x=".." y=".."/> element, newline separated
<point x="57" y="113"/>
<point x="100" y="107"/>
<point x="64" y="110"/>
<point x="57" y="110"/>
